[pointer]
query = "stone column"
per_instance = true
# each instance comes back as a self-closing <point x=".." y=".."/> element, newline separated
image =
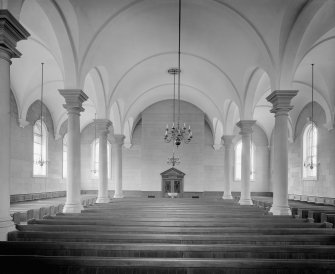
<point x="246" y="130"/>
<point x="117" y="149"/>
<point x="102" y="127"/>
<point x="74" y="99"/>
<point x="11" y="31"/>
<point x="227" y="142"/>
<point x="280" y="100"/>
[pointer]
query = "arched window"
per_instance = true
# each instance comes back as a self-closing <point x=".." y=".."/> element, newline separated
<point x="65" y="156"/>
<point x="40" y="149"/>
<point x="95" y="159"/>
<point x="310" y="142"/>
<point x="238" y="162"/>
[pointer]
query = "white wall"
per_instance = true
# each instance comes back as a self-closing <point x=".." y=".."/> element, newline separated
<point x="261" y="183"/>
<point x="22" y="179"/>
<point x="155" y="151"/>
<point x="324" y="186"/>
<point x="144" y="161"/>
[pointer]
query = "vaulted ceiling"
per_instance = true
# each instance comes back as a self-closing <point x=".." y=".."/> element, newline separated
<point x="233" y="54"/>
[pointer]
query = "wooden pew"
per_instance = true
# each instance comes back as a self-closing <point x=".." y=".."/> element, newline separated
<point x="171" y="238"/>
<point x="264" y="230"/>
<point x="316" y="214"/>
<point x="328" y="218"/>
<point x="168" y="250"/>
<point x="198" y="223"/>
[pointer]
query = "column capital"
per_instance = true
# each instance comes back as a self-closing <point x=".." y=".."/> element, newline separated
<point x="11" y="31"/>
<point x="281" y="100"/>
<point x="217" y="147"/>
<point x="117" y="139"/>
<point x="74" y="99"/>
<point x="127" y="145"/>
<point x="23" y="122"/>
<point x="246" y="126"/>
<point x="227" y="140"/>
<point x="103" y="125"/>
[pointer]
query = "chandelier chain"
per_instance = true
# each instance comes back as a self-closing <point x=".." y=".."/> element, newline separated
<point x="174" y="98"/>
<point x="177" y="133"/>
<point x="41" y="117"/>
<point x="41" y="162"/>
<point x="312" y="117"/>
<point x="310" y="163"/>
<point x="179" y="28"/>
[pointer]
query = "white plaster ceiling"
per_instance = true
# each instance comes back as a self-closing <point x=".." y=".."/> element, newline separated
<point x="234" y="52"/>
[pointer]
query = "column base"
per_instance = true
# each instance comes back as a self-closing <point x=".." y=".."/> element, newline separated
<point x="73" y="208"/>
<point x="102" y="200"/>
<point x="118" y="195"/>
<point x="227" y="197"/>
<point x="6" y="225"/>
<point x="281" y="210"/>
<point x="245" y="201"/>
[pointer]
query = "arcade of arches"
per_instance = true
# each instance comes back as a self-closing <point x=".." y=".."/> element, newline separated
<point x="245" y="91"/>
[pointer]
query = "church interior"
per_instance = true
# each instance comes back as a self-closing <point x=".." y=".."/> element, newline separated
<point x="167" y="136"/>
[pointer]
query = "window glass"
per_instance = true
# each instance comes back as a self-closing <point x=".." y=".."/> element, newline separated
<point x="238" y="162"/>
<point x="40" y="149"/>
<point x="65" y="156"/>
<point x="95" y="158"/>
<point x="310" y="141"/>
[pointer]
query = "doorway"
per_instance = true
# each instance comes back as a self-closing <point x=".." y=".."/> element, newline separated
<point x="172" y="182"/>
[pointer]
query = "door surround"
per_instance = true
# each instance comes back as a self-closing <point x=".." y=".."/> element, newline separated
<point x="171" y="175"/>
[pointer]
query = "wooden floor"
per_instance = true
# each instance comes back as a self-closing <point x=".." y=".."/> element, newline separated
<point x="169" y="236"/>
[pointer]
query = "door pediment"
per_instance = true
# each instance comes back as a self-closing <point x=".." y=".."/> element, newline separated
<point x="172" y="173"/>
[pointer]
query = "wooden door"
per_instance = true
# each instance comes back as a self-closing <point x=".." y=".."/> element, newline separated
<point x="176" y="186"/>
<point x="167" y="187"/>
<point x="172" y="182"/>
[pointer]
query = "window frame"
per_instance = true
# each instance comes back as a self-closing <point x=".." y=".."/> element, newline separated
<point x="95" y="159"/>
<point x="65" y="151"/>
<point x="44" y="151"/>
<point x="306" y="148"/>
<point x="252" y="163"/>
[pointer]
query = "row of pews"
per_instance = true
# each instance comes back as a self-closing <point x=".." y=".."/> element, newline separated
<point x="169" y="236"/>
<point x="308" y="211"/>
<point x="23" y="213"/>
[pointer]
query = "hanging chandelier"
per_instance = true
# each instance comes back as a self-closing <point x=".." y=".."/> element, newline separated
<point x="41" y="162"/>
<point x="310" y="163"/>
<point x="177" y="133"/>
